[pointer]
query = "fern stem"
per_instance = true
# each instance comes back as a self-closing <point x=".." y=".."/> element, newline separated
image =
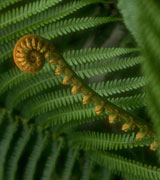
<point x="71" y="78"/>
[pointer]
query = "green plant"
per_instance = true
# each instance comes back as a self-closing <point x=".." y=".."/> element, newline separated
<point x="47" y="132"/>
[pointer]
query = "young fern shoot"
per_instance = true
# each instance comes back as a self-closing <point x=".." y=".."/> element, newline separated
<point x="30" y="53"/>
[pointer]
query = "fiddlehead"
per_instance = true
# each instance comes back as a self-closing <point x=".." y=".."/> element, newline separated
<point x="30" y="53"/>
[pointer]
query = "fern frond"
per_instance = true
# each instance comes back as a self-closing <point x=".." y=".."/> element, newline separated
<point x="34" y="22"/>
<point x="107" y="174"/>
<point x="130" y="103"/>
<point x="118" y="86"/>
<point x="4" y="145"/>
<point x="79" y="112"/>
<point x="25" y="11"/>
<point x="102" y="141"/>
<point x="69" y="126"/>
<point x="147" y="35"/>
<point x="14" y="76"/>
<point x="74" y="57"/>
<point x="2" y="115"/>
<point x="12" y="164"/>
<point x="4" y="4"/>
<point x="128" y="176"/>
<point x="51" y="161"/>
<point x="92" y="69"/>
<point x="88" y="55"/>
<point x="87" y="169"/>
<point x="123" y="165"/>
<point x="43" y="81"/>
<point x="30" y="88"/>
<point x="33" y="158"/>
<point x="63" y="115"/>
<point x="71" y="25"/>
<point x="51" y="101"/>
<point x="10" y="78"/>
<point x="71" y="156"/>
<point x="6" y="51"/>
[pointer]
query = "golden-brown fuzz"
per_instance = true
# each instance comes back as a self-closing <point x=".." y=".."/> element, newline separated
<point x="29" y="53"/>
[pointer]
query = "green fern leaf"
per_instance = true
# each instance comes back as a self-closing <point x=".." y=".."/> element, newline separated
<point x="51" y="161"/>
<point x="79" y="112"/>
<point x="33" y="158"/>
<point x="36" y="86"/>
<point x="51" y="101"/>
<point x="123" y="165"/>
<point x="71" y="25"/>
<point x="16" y="153"/>
<point x="88" y="55"/>
<point x="4" y="145"/>
<point x="92" y="69"/>
<point x="102" y="141"/>
<point x="118" y="86"/>
<point x="34" y="22"/>
<point x="14" y="76"/>
<point x="147" y="35"/>
<point x="4" y="4"/>
<point x="87" y="169"/>
<point x="71" y="156"/>
<point x="23" y="12"/>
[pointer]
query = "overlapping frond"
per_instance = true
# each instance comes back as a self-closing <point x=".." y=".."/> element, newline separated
<point x="88" y="55"/>
<point x="92" y="69"/>
<point x="71" y="156"/>
<point x="87" y="169"/>
<point x="51" y="160"/>
<point x="34" y="157"/>
<point x="51" y="101"/>
<point x="44" y="81"/>
<point x="71" y="25"/>
<point x="4" y="4"/>
<point x="5" y="141"/>
<point x="12" y="164"/>
<point x="50" y="115"/>
<point x="23" y="12"/>
<point x="145" y="28"/>
<point x="124" y="165"/>
<point x="13" y="77"/>
<point x="118" y="85"/>
<point x="13" y="148"/>
<point x="103" y="141"/>
<point x="58" y="114"/>
<point x="39" y="20"/>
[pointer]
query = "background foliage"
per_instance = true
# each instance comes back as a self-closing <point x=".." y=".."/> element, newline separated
<point x="46" y="132"/>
